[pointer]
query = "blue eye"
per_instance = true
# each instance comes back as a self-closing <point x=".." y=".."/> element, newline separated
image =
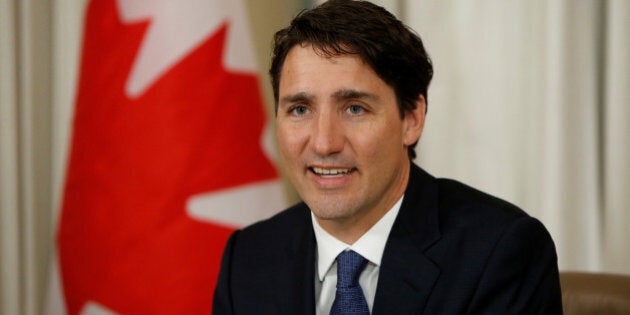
<point x="298" y="110"/>
<point x="356" y="110"/>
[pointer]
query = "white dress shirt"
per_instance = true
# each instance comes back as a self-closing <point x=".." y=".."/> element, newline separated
<point x="371" y="246"/>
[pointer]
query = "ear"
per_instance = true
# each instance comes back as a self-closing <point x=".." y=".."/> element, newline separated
<point x="413" y="122"/>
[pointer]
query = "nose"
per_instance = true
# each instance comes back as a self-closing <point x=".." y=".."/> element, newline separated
<point x="327" y="137"/>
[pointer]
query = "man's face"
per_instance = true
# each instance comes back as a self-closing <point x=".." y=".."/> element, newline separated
<point x="342" y="141"/>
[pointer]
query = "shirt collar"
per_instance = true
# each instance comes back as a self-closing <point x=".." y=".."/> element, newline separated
<point x="370" y="245"/>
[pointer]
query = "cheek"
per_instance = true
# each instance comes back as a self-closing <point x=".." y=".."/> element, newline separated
<point x="369" y="146"/>
<point x="380" y="148"/>
<point x="288" y="141"/>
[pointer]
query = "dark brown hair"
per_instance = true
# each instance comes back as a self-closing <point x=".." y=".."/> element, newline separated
<point x="394" y="51"/>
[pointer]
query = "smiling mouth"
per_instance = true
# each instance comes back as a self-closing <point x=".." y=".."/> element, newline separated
<point x="331" y="172"/>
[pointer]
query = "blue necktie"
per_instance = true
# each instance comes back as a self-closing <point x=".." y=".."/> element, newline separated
<point x="349" y="298"/>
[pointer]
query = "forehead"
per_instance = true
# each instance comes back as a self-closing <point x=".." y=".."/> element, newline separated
<point x="308" y="69"/>
<point x="306" y="53"/>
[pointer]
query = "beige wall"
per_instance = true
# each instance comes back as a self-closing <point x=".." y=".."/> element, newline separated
<point x="266" y="18"/>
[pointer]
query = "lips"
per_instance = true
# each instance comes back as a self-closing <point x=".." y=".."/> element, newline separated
<point x="331" y="172"/>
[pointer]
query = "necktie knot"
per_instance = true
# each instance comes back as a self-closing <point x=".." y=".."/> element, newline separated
<point x="349" y="298"/>
<point x="349" y="267"/>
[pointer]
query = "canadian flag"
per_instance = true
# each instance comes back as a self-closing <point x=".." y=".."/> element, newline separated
<point x="167" y="157"/>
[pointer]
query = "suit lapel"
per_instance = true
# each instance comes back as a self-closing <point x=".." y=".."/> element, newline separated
<point x="295" y="292"/>
<point x="407" y="275"/>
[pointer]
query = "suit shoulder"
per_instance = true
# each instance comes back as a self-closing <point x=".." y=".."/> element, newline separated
<point x="281" y="226"/>
<point x="472" y="205"/>
<point x="259" y="248"/>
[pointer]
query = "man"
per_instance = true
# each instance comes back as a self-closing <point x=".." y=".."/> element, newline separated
<point x="375" y="233"/>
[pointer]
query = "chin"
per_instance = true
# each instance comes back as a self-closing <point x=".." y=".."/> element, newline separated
<point x="331" y="210"/>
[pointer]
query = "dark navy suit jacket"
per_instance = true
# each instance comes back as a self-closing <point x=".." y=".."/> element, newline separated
<point x="452" y="250"/>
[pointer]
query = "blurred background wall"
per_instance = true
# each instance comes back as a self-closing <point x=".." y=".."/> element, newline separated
<point x="529" y="102"/>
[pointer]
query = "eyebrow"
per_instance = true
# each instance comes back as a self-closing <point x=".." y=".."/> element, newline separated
<point x="343" y="94"/>
<point x="346" y="94"/>
<point x="296" y="98"/>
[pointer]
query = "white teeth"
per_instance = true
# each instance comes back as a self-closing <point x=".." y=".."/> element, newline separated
<point x="331" y="171"/>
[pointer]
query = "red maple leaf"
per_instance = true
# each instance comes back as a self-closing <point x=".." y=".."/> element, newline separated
<point x="124" y="239"/>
